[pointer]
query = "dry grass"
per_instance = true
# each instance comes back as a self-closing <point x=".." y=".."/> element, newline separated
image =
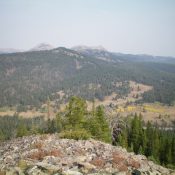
<point x="55" y="152"/>
<point x="117" y="158"/>
<point x="27" y="114"/>
<point x="40" y="154"/>
<point x="44" y="137"/>
<point x="119" y="161"/>
<point x="150" y="112"/>
<point x="154" y="112"/>
<point x="37" y="145"/>
<point x="9" y="113"/>
<point x="2" y="172"/>
<point x="107" y="100"/>
<point x="122" y="167"/>
<point x="133" y="163"/>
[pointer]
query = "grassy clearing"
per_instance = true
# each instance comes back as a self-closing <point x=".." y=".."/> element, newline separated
<point x="152" y="112"/>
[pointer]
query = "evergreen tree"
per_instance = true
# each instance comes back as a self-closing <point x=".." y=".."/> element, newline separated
<point x="156" y="144"/>
<point x="173" y="151"/>
<point x="76" y="112"/>
<point x="93" y="108"/>
<point x="168" y="157"/>
<point x="102" y="131"/>
<point x="122" y="139"/>
<point x="98" y="126"/>
<point x="162" y="151"/>
<point x="2" y="137"/>
<point x="135" y="137"/>
<point x="51" y="128"/>
<point x="21" y="129"/>
<point x="59" y="123"/>
<point x="149" y="135"/>
<point x="144" y="142"/>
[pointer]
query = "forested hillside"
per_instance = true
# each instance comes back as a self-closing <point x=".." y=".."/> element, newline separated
<point x="29" y="78"/>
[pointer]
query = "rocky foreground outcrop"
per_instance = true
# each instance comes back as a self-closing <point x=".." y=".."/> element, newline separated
<point x="47" y="154"/>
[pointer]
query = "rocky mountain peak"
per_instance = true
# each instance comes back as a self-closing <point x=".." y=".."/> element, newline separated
<point x="48" y="154"/>
<point x="42" y="46"/>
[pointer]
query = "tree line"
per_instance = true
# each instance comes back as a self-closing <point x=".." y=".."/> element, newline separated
<point x="157" y="144"/>
<point x="76" y="122"/>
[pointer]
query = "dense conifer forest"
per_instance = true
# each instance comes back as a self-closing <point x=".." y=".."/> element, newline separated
<point x="156" y="143"/>
<point x="29" y="78"/>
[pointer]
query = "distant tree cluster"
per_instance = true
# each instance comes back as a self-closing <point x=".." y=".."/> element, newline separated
<point x="11" y="127"/>
<point x="78" y="123"/>
<point x="157" y="144"/>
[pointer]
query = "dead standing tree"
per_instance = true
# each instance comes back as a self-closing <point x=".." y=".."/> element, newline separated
<point x="116" y="123"/>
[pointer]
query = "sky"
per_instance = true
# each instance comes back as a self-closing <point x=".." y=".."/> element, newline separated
<point x="127" y="26"/>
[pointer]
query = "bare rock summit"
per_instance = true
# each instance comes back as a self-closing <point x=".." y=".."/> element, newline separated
<point x="48" y="154"/>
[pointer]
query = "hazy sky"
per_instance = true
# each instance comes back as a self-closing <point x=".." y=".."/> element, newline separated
<point x="128" y="26"/>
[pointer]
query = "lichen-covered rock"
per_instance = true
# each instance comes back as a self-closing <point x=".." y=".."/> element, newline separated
<point x="48" y="154"/>
<point x="71" y="172"/>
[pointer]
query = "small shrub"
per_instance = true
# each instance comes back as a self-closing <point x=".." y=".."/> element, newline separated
<point x="79" y="151"/>
<point x="122" y="167"/>
<point x="55" y="153"/>
<point x="44" y="137"/>
<point x="22" y="165"/>
<point x="98" y="162"/>
<point x="39" y="155"/>
<point x="37" y="145"/>
<point x="76" y="134"/>
<point x="171" y="166"/>
<point x="117" y="158"/>
<point x="119" y="161"/>
<point x="152" y="158"/>
<point x="133" y="163"/>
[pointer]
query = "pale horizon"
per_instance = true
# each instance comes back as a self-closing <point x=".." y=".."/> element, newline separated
<point x="145" y="27"/>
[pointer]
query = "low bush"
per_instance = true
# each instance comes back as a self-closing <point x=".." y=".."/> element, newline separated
<point x="22" y="164"/>
<point x="80" y="134"/>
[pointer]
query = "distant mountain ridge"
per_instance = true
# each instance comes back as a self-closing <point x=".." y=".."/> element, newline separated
<point x="39" y="47"/>
<point x="9" y="50"/>
<point x="101" y="53"/>
<point x="28" y="78"/>
<point x="98" y="52"/>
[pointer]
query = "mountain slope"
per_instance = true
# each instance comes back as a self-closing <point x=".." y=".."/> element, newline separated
<point x="29" y="78"/>
<point x="98" y="52"/>
<point x="102" y="53"/>
<point x="31" y="73"/>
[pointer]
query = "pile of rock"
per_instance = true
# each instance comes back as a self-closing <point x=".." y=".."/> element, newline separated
<point x="47" y="154"/>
